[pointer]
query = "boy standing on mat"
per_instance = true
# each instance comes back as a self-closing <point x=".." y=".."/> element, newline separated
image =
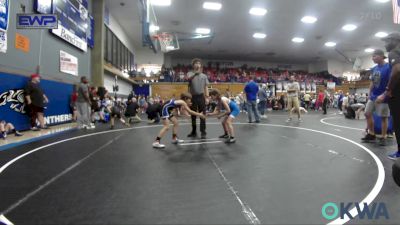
<point x="231" y="112"/>
<point x="169" y="113"/>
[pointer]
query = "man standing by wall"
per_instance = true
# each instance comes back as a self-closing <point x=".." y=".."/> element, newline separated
<point x="36" y="100"/>
<point x="83" y="105"/>
<point x="392" y="44"/>
<point x="380" y="78"/>
<point x="198" y="83"/>
<point x="293" y="89"/>
<point x="251" y="89"/>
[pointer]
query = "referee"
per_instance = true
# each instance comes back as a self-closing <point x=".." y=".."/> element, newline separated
<point x="392" y="44"/>
<point x="198" y="83"/>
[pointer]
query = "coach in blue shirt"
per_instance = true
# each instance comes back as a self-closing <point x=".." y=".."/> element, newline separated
<point x="251" y="90"/>
<point x="379" y="80"/>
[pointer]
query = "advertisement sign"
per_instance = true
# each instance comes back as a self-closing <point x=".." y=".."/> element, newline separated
<point x="3" y="41"/>
<point x="12" y="101"/>
<point x="4" y="14"/>
<point x="37" y="21"/>
<point x="72" y="22"/>
<point x="68" y="63"/>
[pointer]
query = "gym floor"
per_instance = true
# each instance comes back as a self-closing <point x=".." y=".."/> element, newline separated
<point x="276" y="173"/>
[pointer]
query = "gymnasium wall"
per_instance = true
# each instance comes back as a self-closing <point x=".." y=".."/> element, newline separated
<point x="23" y="63"/>
<point x="168" y="91"/>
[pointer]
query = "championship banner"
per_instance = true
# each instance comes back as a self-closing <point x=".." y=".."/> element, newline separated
<point x="4" y="14"/>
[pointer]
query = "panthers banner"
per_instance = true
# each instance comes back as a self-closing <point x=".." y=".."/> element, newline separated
<point x="12" y="101"/>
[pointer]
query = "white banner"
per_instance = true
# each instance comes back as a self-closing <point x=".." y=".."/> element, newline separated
<point x="331" y="85"/>
<point x="3" y="41"/>
<point x="68" y="63"/>
<point x="70" y="37"/>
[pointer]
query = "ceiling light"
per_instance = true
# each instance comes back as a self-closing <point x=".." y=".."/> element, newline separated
<point x="309" y="19"/>
<point x="298" y="40"/>
<point x="259" y="35"/>
<point x="169" y="47"/>
<point x="161" y="2"/>
<point x="381" y="34"/>
<point x="212" y="5"/>
<point x="369" y="50"/>
<point x="203" y="31"/>
<point x="258" y="11"/>
<point x="349" y="27"/>
<point x="382" y="1"/>
<point x="330" y="44"/>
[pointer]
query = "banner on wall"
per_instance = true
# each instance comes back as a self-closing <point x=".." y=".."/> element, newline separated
<point x="308" y="87"/>
<point x="4" y="14"/>
<point x="3" y="41"/>
<point x="331" y="85"/>
<point x="72" y="22"/>
<point x="90" y="34"/>
<point x="12" y="101"/>
<point x="279" y="87"/>
<point x="313" y="88"/>
<point x="68" y="63"/>
<point x="285" y="86"/>
<point x="302" y="87"/>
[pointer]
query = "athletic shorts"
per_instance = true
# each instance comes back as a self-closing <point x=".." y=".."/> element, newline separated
<point x="381" y="109"/>
<point x="166" y="113"/>
<point x="235" y="111"/>
<point x="293" y="102"/>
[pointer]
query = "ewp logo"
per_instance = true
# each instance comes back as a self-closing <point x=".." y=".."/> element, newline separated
<point x="37" y="21"/>
<point x="375" y="211"/>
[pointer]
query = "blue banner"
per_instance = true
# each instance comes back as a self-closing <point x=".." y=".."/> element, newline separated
<point x="12" y="101"/>
<point x="4" y="14"/>
<point x="90" y="35"/>
<point x="73" y="22"/>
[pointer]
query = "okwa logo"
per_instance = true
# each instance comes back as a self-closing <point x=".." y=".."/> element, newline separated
<point x="373" y="211"/>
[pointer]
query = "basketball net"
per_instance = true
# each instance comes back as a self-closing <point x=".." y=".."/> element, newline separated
<point x="166" y="41"/>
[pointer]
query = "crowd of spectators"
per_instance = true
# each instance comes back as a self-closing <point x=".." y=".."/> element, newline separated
<point x="241" y="75"/>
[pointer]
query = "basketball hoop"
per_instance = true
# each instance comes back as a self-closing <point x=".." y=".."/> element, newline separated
<point x="166" y="41"/>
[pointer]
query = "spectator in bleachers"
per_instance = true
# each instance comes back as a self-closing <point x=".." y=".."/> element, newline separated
<point x="8" y="128"/>
<point x="36" y="100"/>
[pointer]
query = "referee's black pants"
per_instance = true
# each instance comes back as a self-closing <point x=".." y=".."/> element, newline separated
<point x="394" y="105"/>
<point x="199" y="105"/>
